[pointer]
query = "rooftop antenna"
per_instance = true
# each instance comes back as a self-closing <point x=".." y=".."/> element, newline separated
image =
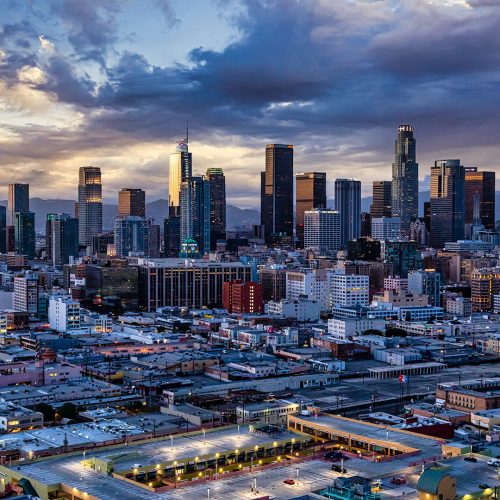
<point x="187" y="131"/>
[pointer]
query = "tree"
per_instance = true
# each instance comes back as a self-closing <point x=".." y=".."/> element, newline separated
<point x="373" y="331"/>
<point x="68" y="410"/>
<point x="394" y="331"/>
<point x="48" y="412"/>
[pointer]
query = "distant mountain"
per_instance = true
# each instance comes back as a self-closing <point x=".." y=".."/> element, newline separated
<point x="158" y="210"/>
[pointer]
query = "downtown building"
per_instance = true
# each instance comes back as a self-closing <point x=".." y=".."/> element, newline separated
<point x="131" y="203"/>
<point x="61" y="239"/>
<point x="89" y="205"/>
<point x="217" y="180"/>
<point x="277" y="195"/>
<point x="381" y="199"/>
<point x="405" y="178"/>
<point x="386" y="228"/>
<point x="310" y="194"/>
<point x="242" y="297"/>
<point x="186" y="283"/>
<point x="447" y="202"/>
<point x="348" y="204"/>
<point x="485" y="284"/>
<point x="322" y="232"/>
<point x="24" y="234"/>
<point x="483" y="184"/>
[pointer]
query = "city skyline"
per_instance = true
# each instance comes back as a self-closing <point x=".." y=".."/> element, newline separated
<point x="70" y="90"/>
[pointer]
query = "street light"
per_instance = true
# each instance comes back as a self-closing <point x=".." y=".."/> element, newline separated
<point x="208" y="493"/>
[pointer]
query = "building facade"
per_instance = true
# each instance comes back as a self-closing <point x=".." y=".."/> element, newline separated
<point x="89" y="206"/>
<point x="348" y="204"/>
<point x="217" y="180"/>
<point x="131" y="202"/>
<point x="18" y="201"/>
<point x="386" y="228"/>
<point x="483" y="184"/>
<point x="61" y="239"/>
<point x="322" y="230"/>
<point x="24" y="234"/>
<point x="381" y="199"/>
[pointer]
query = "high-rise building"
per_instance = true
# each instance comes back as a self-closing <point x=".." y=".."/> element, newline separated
<point x="89" y="206"/>
<point x="483" y="184"/>
<point x="277" y="194"/>
<point x="365" y="230"/>
<point x="273" y="281"/>
<point x="310" y="193"/>
<point x="195" y="212"/>
<point x="348" y="290"/>
<point x="26" y="292"/>
<point x="131" y="236"/>
<point x="426" y="282"/>
<point x="131" y="202"/>
<point x="61" y="238"/>
<point x="381" y="199"/>
<point x="3" y="229"/>
<point x="100" y="243"/>
<point x="24" y="233"/>
<point x="447" y="202"/>
<point x="322" y="230"/>
<point x="386" y="228"/>
<point x="18" y="201"/>
<point x="405" y="178"/>
<point x="348" y="203"/>
<point x="485" y="283"/>
<point x="180" y="169"/>
<point x="217" y="205"/>
<point x="172" y="235"/>
<point x="404" y="256"/>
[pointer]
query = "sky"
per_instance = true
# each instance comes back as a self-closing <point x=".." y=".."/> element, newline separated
<point x="112" y="83"/>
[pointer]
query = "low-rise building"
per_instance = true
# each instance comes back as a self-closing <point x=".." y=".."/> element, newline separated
<point x="350" y="327"/>
<point x="15" y="418"/>
<point x="302" y="309"/>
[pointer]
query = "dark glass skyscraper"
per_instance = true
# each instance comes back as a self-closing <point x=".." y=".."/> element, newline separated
<point x="3" y="229"/>
<point x="405" y="178"/>
<point x="217" y="205"/>
<point x="277" y="194"/>
<point x="482" y="183"/>
<point x="348" y="203"/>
<point x="131" y="203"/>
<point x="61" y="238"/>
<point x="447" y="202"/>
<point x="89" y="206"/>
<point x="18" y="201"/>
<point x="381" y="199"/>
<point x="24" y="231"/>
<point x="310" y="192"/>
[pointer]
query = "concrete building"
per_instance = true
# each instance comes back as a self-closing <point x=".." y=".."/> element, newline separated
<point x="15" y="418"/>
<point x="311" y="283"/>
<point x="485" y="283"/>
<point x="344" y="328"/>
<point x="26" y="293"/>
<point x="460" y="306"/>
<point x="322" y="230"/>
<point x="426" y="282"/>
<point x="301" y="309"/>
<point x="64" y="314"/>
<point x="349" y="289"/>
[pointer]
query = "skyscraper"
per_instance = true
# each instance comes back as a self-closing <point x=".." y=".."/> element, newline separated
<point x="195" y="212"/>
<point x="3" y="229"/>
<point x="131" y="235"/>
<point x="18" y="201"/>
<point x="405" y="178"/>
<point x="89" y="206"/>
<point x="482" y="183"/>
<point x="348" y="203"/>
<point x="447" y="202"/>
<point x="277" y="194"/>
<point x="217" y="205"/>
<point x="131" y="202"/>
<point x="180" y="169"/>
<point x="172" y="235"/>
<point x="61" y="238"/>
<point x="24" y="231"/>
<point x="381" y="199"/>
<point x="310" y="193"/>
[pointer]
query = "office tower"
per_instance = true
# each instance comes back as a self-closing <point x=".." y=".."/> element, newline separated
<point x="426" y="282"/>
<point x="322" y="230"/>
<point x="195" y="212"/>
<point x="405" y="178"/>
<point x="64" y="313"/>
<point x="3" y="229"/>
<point x="427" y="215"/>
<point x="61" y="238"/>
<point x="365" y="225"/>
<point x="242" y="297"/>
<point x="381" y="199"/>
<point x="447" y="202"/>
<point x="24" y="234"/>
<point x="404" y="256"/>
<point x="485" y="283"/>
<point x="386" y="228"/>
<point x="26" y="292"/>
<point x="217" y="205"/>
<point x="348" y="203"/>
<point x="18" y="201"/>
<point x="273" y="281"/>
<point x="310" y="193"/>
<point x="363" y="249"/>
<point x="348" y="290"/>
<point x="100" y="243"/>
<point x="172" y="236"/>
<point x="193" y="284"/>
<point x="89" y="205"/>
<point x="131" y="236"/>
<point x="131" y="202"/>
<point x="179" y="170"/>
<point x="482" y="183"/>
<point x="277" y="194"/>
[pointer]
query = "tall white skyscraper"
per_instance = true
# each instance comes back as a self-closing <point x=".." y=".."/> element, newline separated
<point x="322" y="230"/>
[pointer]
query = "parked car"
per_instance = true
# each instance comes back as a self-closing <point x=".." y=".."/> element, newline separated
<point x="339" y="468"/>
<point x="493" y="461"/>
<point x="398" y="480"/>
<point x="470" y="459"/>
<point x="484" y="486"/>
<point x="289" y="481"/>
